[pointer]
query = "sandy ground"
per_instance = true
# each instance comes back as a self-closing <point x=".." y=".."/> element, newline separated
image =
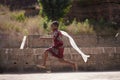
<point x="63" y="76"/>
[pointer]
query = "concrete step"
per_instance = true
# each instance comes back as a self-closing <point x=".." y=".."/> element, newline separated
<point x="39" y="41"/>
<point x="102" y="58"/>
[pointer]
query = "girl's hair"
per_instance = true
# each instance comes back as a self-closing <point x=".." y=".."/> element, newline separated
<point x="56" y="23"/>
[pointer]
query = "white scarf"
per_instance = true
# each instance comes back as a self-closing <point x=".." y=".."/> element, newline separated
<point x="73" y="44"/>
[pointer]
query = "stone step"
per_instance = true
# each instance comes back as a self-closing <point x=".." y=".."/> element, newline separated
<point x="38" y="41"/>
<point x="102" y="58"/>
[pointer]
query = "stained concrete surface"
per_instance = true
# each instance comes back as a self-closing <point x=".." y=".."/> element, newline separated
<point x="63" y="76"/>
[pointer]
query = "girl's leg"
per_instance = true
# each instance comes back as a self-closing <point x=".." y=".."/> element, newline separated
<point x="69" y="63"/>
<point x="45" y="56"/>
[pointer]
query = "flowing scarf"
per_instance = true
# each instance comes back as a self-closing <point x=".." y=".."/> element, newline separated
<point x="73" y="44"/>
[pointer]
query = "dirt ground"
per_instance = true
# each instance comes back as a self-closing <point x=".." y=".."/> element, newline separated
<point x="63" y="76"/>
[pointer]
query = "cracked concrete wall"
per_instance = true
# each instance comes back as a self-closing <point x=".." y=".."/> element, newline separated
<point x="95" y="9"/>
<point x="35" y="41"/>
<point x="38" y="41"/>
<point x="102" y="58"/>
<point x="18" y="4"/>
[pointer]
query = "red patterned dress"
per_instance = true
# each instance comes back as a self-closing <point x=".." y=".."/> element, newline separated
<point x="57" y="49"/>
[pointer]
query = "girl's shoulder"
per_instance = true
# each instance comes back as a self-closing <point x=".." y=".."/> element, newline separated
<point x="57" y="32"/>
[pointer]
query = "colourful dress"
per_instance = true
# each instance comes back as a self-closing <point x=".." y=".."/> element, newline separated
<point x="57" y="49"/>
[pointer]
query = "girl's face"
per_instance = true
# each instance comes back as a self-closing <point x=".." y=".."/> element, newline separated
<point x="53" y="27"/>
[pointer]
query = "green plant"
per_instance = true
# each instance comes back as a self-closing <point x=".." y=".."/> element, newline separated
<point x="85" y="27"/>
<point x="54" y="9"/>
<point x="19" y="17"/>
<point x="62" y="26"/>
<point x="80" y="27"/>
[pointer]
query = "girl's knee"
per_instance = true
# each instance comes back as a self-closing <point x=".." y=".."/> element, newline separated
<point x="46" y="52"/>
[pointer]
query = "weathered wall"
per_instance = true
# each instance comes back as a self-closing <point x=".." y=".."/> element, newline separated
<point x="10" y="41"/>
<point x="38" y="41"/>
<point x="35" y="41"/>
<point x="18" y="4"/>
<point x="95" y="9"/>
<point x="102" y="58"/>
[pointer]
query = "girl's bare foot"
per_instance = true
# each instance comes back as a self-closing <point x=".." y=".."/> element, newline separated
<point x="41" y="66"/>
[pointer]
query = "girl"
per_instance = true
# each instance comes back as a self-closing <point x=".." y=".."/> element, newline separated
<point x="57" y="49"/>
